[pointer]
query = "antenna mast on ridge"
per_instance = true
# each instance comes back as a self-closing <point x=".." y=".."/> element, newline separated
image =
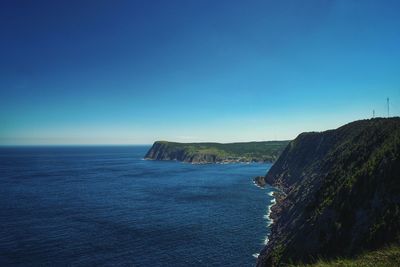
<point x="387" y="100"/>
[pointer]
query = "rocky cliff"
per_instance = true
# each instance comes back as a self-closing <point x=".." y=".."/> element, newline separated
<point x="216" y="152"/>
<point x="342" y="193"/>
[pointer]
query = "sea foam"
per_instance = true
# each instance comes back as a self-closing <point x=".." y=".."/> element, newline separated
<point x="258" y="185"/>
<point x="267" y="215"/>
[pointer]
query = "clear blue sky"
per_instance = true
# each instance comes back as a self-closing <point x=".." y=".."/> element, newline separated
<point x="132" y="72"/>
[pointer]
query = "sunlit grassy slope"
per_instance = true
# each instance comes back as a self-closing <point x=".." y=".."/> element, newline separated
<point x="214" y="152"/>
<point x="386" y="257"/>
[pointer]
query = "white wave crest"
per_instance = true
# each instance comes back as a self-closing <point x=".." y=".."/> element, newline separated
<point x="258" y="185"/>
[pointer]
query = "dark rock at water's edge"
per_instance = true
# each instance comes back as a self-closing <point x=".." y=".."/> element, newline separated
<point x="259" y="181"/>
<point x="267" y="151"/>
<point x="342" y="192"/>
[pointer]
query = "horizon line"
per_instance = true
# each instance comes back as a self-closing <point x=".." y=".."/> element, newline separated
<point x="130" y="144"/>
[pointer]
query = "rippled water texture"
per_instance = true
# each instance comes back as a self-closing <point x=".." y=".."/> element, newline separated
<point x="107" y="206"/>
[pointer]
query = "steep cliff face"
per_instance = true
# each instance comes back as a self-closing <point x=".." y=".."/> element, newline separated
<point x="342" y="193"/>
<point x="216" y="152"/>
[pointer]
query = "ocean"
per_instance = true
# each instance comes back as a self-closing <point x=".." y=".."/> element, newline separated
<point x="106" y="206"/>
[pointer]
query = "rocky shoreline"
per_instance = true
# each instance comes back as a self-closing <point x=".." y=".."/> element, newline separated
<point x="271" y="214"/>
<point x="259" y="181"/>
<point x="278" y="195"/>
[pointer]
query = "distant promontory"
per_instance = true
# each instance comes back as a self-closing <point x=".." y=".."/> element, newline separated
<point x="267" y="151"/>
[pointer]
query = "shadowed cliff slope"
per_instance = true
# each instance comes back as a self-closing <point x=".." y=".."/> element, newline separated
<point x="216" y="152"/>
<point x="342" y="193"/>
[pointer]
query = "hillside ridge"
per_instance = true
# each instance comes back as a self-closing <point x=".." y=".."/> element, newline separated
<point x="342" y="193"/>
<point x="267" y="151"/>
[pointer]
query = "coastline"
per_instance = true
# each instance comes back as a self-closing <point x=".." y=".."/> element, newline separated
<point x="222" y="161"/>
<point x="203" y="153"/>
<point x="259" y="181"/>
<point x="268" y="216"/>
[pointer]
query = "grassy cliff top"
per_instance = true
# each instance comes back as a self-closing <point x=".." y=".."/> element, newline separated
<point x="389" y="256"/>
<point x="254" y="148"/>
<point x="262" y="151"/>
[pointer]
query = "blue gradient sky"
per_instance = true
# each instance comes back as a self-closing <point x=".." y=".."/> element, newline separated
<point x="131" y="72"/>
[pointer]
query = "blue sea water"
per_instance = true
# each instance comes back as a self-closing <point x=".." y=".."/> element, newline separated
<point x="102" y="206"/>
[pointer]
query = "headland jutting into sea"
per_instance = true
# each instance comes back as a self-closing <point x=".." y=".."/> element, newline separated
<point x="338" y="194"/>
<point x="199" y="153"/>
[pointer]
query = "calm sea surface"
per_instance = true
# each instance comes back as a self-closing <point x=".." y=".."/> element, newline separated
<point x="102" y="206"/>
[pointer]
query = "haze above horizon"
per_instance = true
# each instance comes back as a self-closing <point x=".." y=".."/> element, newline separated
<point x="132" y="72"/>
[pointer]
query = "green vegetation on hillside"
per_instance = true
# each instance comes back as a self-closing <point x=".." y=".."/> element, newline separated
<point x="217" y="152"/>
<point x="386" y="257"/>
<point x="343" y="193"/>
